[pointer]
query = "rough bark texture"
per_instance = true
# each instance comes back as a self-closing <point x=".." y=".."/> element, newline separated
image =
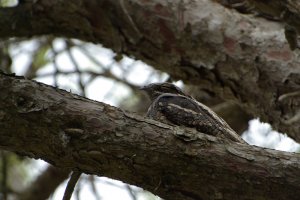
<point x="72" y="132"/>
<point x="237" y="57"/>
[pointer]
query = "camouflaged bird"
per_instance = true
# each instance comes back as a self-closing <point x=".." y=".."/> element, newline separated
<point x="171" y="105"/>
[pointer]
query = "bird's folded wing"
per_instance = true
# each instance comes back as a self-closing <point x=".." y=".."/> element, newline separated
<point x="186" y="111"/>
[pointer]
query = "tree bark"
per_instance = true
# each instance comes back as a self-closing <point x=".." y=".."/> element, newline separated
<point x="237" y="57"/>
<point x="73" y="132"/>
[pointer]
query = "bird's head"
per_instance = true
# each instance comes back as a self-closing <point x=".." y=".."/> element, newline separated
<point x="156" y="89"/>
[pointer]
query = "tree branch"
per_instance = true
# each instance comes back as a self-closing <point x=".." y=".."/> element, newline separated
<point x="237" y="57"/>
<point x="73" y="132"/>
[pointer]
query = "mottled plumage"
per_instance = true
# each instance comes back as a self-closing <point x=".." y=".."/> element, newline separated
<point x="172" y="106"/>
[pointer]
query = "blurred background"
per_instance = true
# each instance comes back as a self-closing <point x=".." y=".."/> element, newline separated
<point x="99" y="74"/>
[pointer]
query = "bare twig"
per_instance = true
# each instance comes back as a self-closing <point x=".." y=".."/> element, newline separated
<point x="73" y="60"/>
<point x="91" y="179"/>
<point x="71" y="185"/>
<point x="131" y="192"/>
<point x="55" y="65"/>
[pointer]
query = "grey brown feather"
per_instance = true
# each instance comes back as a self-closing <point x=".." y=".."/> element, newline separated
<point x="172" y="106"/>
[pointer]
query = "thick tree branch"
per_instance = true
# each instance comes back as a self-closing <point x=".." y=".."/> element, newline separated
<point x="288" y="11"/>
<point x="72" y="132"/>
<point x="234" y="56"/>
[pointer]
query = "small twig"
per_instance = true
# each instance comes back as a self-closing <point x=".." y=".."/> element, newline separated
<point x="288" y="95"/>
<point x="55" y="65"/>
<point x="83" y="50"/>
<point x="135" y="32"/>
<point x="71" y="185"/>
<point x="69" y="45"/>
<point x="106" y="74"/>
<point x="131" y="192"/>
<point x="93" y="187"/>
